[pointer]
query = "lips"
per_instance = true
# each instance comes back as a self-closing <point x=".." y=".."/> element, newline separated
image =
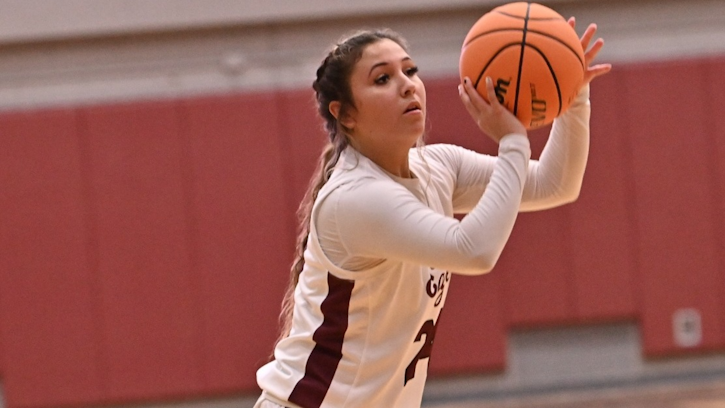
<point x="412" y="107"/>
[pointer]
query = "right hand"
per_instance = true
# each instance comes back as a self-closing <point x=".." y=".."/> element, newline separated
<point x="592" y="71"/>
<point x="491" y="117"/>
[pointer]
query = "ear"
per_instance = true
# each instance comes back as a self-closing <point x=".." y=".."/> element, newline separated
<point x="346" y="121"/>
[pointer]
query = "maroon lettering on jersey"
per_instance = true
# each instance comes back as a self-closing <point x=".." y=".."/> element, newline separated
<point x="429" y="330"/>
<point x="434" y="288"/>
<point x="310" y="391"/>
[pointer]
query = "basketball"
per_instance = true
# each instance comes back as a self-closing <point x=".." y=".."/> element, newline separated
<point x="533" y="56"/>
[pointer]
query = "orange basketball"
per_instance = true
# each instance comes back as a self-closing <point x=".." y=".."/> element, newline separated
<point x="533" y="56"/>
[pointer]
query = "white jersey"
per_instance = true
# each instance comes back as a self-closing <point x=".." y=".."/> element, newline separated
<point x="364" y="338"/>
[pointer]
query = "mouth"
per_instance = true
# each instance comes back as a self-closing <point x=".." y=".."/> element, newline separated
<point x="413" y="107"/>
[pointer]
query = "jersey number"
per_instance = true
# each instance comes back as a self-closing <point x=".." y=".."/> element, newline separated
<point x="429" y="329"/>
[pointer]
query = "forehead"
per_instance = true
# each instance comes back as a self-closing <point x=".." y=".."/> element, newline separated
<point x="382" y="51"/>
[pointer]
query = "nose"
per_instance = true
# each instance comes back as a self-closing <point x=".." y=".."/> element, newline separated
<point x="408" y="86"/>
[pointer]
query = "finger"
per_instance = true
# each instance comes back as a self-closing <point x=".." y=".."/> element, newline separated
<point x="596" y="71"/>
<point x="491" y="92"/>
<point x="476" y="99"/>
<point x="467" y="101"/>
<point x="591" y="54"/>
<point x="600" y="69"/>
<point x="572" y="22"/>
<point x="588" y="35"/>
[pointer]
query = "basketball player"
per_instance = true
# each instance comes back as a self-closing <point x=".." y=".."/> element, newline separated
<point x="378" y="237"/>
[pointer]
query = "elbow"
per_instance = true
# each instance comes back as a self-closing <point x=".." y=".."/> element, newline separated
<point x="570" y="196"/>
<point x="566" y="195"/>
<point x="480" y="264"/>
<point x="570" y="189"/>
<point x="478" y="257"/>
<point x="486" y="263"/>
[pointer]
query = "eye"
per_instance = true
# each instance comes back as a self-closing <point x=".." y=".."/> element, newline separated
<point x="412" y="71"/>
<point x="382" y="79"/>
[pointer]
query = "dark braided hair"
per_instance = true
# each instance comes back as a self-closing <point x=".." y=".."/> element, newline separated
<point x="332" y="84"/>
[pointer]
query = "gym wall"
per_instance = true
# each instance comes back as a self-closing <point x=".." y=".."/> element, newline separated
<point x="152" y="162"/>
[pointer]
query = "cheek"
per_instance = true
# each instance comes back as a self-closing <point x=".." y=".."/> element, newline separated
<point x="375" y="106"/>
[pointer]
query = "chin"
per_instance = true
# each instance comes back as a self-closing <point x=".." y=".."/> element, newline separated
<point x="414" y="138"/>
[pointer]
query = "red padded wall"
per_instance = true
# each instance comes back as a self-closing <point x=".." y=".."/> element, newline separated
<point x="49" y="305"/>
<point x="302" y="138"/>
<point x="715" y="122"/>
<point x="2" y="362"/>
<point x="536" y="264"/>
<point x="537" y="270"/>
<point x="151" y="319"/>
<point x="602" y="236"/>
<point x="671" y="146"/>
<point x="242" y="239"/>
<point x="472" y="335"/>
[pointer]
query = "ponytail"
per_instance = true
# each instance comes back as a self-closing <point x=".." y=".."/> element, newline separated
<point x="328" y="159"/>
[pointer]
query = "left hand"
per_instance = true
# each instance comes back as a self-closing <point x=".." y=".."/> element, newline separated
<point x="592" y="71"/>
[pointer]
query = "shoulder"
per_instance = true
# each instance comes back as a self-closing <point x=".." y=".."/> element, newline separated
<point x="368" y="202"/>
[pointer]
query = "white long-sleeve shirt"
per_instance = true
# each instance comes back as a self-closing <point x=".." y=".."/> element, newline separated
<point x="354" y="221"/>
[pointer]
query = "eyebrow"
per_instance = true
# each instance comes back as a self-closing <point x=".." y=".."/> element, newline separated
<point x="379" y="64"/>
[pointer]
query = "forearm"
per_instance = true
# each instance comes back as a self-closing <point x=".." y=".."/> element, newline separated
<point x="556" y="178"/>
<point x="486" y="229"/>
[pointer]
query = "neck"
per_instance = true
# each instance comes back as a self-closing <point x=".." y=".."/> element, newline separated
<point x="392" y="160"/>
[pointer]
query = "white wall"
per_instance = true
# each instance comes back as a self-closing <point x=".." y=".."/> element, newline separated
<point x="37" y="20"/>
<point x="221" y="49"/>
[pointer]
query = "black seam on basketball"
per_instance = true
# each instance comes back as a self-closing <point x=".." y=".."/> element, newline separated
<point x="545" y="19"/>
<point x="503" y="13"/>
<point x="491" y="60"/>
<point x="573" y="51"/>
<point x="553" y="75"/>
<point x="541" y="33"/>
<point x="521" y="60"/>
<point x="500" y="30"/>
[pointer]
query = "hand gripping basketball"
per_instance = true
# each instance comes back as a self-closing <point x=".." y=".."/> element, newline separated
<point x="491" y="117"/>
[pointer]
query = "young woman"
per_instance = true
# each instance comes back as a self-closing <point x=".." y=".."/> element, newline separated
<point x="378" y="237"/>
